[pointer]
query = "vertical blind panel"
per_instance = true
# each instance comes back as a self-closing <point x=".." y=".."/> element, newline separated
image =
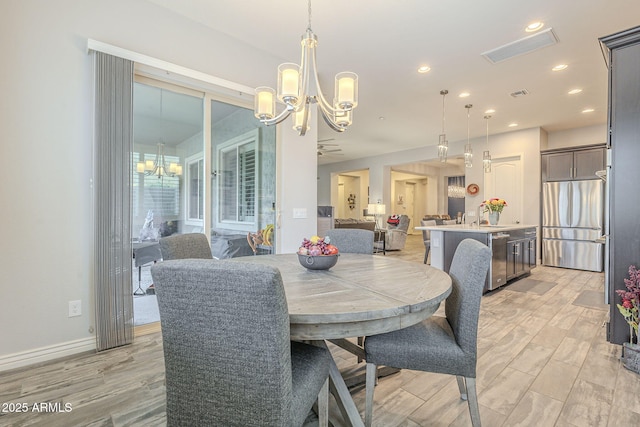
<point x="114" y="130"/>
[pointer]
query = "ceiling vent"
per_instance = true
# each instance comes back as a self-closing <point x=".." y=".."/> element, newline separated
<point x="519" y="93"/>
<point x="520" y="47"/>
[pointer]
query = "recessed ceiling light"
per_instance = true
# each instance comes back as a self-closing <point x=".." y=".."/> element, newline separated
<point x="534" y="26"/>
<point x="512" y="125"/>
<point x="560" y="67"/>
<point x="381" y="118"/>
<point x="574" y="91"/>
<point x="424" y="69"/>
<point x="588" y="110"/>
<point x="464" y="94"/>
<point x="490" y="111"/>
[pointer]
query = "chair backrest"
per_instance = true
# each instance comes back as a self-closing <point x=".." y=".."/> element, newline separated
<point x="468" y="273"/>
<point x="352" y="240"/>
<point x="227" y="350"/>
<point x="449" y="222"/>
<point x="181" y="246"/>
<point x="403" y="224"/>
<point x="426" y="234"/>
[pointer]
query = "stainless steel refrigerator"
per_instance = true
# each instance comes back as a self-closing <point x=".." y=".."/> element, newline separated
<point x="572" y="223"/>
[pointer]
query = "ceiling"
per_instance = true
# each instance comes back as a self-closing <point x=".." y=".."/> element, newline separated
<point x="384" y="42"/>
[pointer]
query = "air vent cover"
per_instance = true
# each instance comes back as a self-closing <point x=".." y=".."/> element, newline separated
<point x="518" y="93"/>
<point x="520" y="47"/>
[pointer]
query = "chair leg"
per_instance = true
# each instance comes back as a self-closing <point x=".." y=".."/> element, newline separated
<point x="462" y="387"/>
<point x="426" y="254"/>
<point x="474" y="409"/>
<point x="323" y="405"/>
<point x="370" y="386"/>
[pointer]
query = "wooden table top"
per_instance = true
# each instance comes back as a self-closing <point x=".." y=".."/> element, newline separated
<point x="361" y="295"/>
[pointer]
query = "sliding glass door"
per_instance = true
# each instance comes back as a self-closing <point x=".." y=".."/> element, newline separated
<point x="199" y="165"/>
<point x="243" y="182"/>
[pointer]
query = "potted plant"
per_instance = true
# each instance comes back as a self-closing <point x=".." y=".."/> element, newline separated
<point x="629" y="310"/>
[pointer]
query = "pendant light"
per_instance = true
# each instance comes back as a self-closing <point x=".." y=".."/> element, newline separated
<point x="443" y="144"/>
<point x="468" y="152"/>
<point x="295" y="90"/>
<point x="486" y="156"/>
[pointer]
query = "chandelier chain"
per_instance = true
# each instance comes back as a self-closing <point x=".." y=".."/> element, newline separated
<point x="309" y="12"/>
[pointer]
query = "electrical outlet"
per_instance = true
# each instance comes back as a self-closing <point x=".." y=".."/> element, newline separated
<point x="75" y="308"/>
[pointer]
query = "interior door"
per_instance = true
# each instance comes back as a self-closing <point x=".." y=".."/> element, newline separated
<point x="504" y="181"/>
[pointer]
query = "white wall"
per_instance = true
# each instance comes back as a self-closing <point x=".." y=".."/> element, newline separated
<point x="46" y="120"/>
<point x="524" y="143"/>
<point x="588" y="135"/>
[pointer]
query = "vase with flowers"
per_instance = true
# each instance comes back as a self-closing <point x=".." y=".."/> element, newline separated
<point x="494" y="206"/>
<point x="629" y="309"/>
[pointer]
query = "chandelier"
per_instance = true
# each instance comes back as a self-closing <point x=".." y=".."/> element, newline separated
<point x="455" y="188"/>
<point x="468" y="152"/>
<point x="486" y="156"/>
<point x="159" y="166"/>
<point x="443" y="144"/>
<point x="293" y="91"/>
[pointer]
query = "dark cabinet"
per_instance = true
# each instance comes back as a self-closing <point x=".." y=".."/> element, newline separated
<point x="573" y="165"/>
<point x="531" y="253"/>
<point x="521" y="252"/>
<point x="623" y="57"/>
<point x="517" y="258"/>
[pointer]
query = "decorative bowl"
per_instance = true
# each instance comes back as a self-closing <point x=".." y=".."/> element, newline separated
<point x="319" y="262"/>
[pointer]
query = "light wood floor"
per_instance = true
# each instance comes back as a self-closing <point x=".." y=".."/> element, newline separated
<point x="543" y="361"/>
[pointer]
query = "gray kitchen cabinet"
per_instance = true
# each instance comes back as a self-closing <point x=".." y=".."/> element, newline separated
<point x="623" y="60"/>
<point x="573" y="165"/>
<point x="531" y="255"/>
<point x="517" y="258"/>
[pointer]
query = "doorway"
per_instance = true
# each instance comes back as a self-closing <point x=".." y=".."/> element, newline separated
<point x="199" y="165"/>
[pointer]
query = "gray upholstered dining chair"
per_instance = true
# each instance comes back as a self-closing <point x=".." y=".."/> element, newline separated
<point x="446" y="345"/>
<point x="426" y="237"/>
<point x="352" y="240"/>
<point x="181" y="246"/>
<point x="228" y="356"/>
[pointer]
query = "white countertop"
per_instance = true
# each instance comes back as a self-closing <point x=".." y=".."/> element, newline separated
<point x="472" y="228"/>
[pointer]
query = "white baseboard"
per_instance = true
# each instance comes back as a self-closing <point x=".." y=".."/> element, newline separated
<point x="45" y="354"/>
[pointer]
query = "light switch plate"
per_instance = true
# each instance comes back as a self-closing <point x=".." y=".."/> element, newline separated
<point x="299" y="212"/>
<point x="435" y="243"/>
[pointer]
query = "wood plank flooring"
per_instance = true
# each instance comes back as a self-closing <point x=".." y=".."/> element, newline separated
<point x="543" y="361"/>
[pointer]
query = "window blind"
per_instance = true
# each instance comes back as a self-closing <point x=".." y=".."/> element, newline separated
<point x="113" y="250"/>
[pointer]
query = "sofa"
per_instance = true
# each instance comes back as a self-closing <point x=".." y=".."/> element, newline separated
<point x="354" y="223"/>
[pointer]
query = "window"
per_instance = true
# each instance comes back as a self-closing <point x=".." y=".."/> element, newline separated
<point x="195" y="190"/>
<point x="237" y="178"/>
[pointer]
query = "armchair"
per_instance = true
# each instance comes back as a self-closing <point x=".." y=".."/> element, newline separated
<point x="396" y="235"/>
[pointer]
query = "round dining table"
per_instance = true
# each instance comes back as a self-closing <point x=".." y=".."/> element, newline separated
<point x="361" y="295"/>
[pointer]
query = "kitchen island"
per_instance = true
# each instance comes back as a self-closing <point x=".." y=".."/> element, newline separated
<point x="513" y="247"/>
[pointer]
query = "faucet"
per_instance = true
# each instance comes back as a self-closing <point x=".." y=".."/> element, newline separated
<point x="464" y="218"/>
<point x="479" y="213"/>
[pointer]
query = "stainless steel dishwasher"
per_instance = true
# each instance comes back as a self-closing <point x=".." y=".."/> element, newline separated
<point x="498" y="260"/>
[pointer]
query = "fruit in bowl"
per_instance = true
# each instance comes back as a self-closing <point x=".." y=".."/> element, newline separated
<point x="317" y="246"/>
<point x="317" y="253"/>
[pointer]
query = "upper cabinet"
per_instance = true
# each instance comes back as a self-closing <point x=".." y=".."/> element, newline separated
<point x="573" y="165"/>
